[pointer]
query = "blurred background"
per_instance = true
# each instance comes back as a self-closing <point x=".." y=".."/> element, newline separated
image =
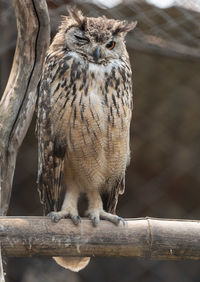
<point x="163" y="178"/>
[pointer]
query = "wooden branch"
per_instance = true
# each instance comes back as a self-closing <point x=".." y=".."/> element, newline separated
<point x="18" y="101"/>
<point x="143" y="237"/>
<point x="2" y="279"/>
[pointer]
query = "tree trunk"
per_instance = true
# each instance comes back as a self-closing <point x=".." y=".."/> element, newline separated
<point x="18" y="101"/>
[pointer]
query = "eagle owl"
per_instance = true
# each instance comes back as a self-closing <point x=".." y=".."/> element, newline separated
<point x="84" y="114"/>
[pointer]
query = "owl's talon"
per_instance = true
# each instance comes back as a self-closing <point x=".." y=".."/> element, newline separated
<point x="93" y="216"/>
<point x="117" y="219"/>
<point x="121" y="219"/>
<point x="55" y="217"/>
<point x="112" y="218"/>
<point x="95" y="221"/>
<point x="76" y="219"/>
<point x="79" y="219"/>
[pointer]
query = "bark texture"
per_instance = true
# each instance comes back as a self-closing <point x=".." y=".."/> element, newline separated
<point x="18" y="101"/>
<point x="19" y="98"/>
<point x="142" y="237"/>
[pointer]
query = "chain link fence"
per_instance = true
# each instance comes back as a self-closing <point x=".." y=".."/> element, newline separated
<point x="163" y="178"/>
<point x="172" y="31"/>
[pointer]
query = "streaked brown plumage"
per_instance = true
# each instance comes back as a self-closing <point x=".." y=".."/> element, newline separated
<point x="84" y="113"/>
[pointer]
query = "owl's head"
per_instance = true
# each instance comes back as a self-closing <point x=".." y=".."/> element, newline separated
<point x="97" y="39"/>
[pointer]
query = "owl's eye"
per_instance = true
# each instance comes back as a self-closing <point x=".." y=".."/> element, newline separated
<point x="110" y="45"/>
<point x="81" y="38"/>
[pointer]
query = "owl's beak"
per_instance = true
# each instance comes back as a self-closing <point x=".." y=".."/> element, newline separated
<point x="96" y="54"/>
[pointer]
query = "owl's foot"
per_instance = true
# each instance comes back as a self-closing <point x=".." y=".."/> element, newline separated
<point x="56" y="216"/>
<point x="112" y="217"/>
<point x="96" y="215"/>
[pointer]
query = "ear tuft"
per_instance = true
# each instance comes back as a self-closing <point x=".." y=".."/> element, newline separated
<point x="77" y="15"/>
<point x="124" y="27"/>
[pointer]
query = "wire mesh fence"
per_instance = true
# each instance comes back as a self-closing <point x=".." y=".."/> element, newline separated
<point x="172" y="31"/>
<point x="163" y="178"/>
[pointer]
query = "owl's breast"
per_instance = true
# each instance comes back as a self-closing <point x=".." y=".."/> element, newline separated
<point x="93" y="104"/>
<point x="85" y="129"/>
<point x="87" y="124"/>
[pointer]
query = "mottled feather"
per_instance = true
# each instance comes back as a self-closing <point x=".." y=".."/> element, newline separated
<point x="84" y="114"/>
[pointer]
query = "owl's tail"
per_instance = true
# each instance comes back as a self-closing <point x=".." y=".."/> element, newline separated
<point x="73" y="263"/>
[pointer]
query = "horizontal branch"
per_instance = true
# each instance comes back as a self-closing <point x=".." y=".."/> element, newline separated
<point x="143" y="237"/>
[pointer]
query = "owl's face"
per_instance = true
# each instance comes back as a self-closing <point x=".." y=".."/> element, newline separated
<point x="94" y="50"/>
<point x="98" y="40"/>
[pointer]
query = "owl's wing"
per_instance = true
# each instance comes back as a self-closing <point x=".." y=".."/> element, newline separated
<point x="51" y="150"/>
<point x="110" y="199"/>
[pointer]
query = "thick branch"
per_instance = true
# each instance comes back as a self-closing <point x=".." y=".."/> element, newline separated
<point x="2" y="279"/>
<point x="142" y="237"/>
<point x="18" y="101"/>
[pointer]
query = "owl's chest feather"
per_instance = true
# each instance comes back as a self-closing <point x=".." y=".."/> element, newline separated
<point x="91" y="95"/>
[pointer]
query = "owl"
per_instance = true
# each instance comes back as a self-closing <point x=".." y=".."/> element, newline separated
<point x="83" y="122"/>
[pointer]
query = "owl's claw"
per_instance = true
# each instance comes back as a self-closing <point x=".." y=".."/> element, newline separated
<point x="95" y="221"/>
<point x="95" y="217"/>
<point x="121" y="219"/>
<point x="76" y="219"/>
<point x="56" y="216"/>
<point x="112" y="218"/>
